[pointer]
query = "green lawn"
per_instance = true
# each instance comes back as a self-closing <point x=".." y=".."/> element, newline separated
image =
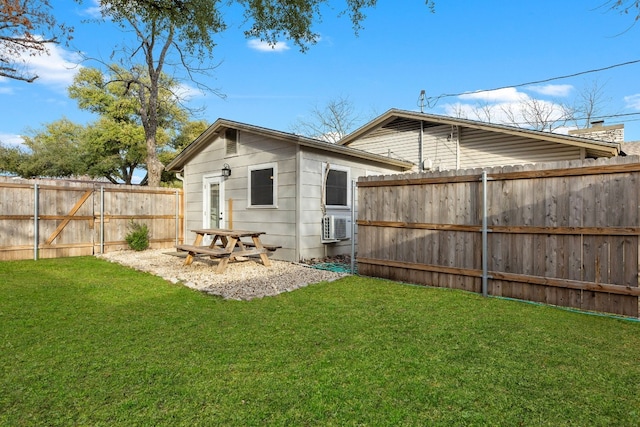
<point x="86" y="342"/>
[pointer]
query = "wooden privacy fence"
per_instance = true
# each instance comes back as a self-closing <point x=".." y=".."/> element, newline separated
<point x="54" y="218"/>
<point x="564" y="233"/>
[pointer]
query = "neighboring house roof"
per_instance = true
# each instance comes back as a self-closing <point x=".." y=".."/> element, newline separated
<point x="631" y="148"/>
<point x="593" y="148"/>
<point x="221" y="124"/>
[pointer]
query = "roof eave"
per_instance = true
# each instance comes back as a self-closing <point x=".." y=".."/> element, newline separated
<point x="192" y="149"/>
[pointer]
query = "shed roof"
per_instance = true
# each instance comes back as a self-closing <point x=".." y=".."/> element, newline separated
<point x="221" y="124"/>
<point x="594" y="148"/>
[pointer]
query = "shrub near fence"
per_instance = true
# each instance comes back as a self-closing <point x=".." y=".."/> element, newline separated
<point x="562" y="233"/>
<point x="82" y="218"/>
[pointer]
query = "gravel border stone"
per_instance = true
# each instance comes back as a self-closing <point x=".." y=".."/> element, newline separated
<point x="242" y="280"/>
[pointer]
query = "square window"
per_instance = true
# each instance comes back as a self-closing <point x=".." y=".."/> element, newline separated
<point x="337" y="189"/>
<point x="262" y="186"/>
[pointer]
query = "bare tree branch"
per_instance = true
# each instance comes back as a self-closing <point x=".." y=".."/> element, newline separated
<point x="27" y="27"/>
<point x="329" y="123"/>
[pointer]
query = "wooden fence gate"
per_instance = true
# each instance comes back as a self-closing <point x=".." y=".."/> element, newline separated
<point x="565" y="234"/>
<point x="52" y="218"/>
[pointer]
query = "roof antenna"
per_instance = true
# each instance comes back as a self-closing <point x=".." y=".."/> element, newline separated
<point x="421" y="101"/>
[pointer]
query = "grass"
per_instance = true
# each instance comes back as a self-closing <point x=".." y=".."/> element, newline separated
<point x="86" y="342"/>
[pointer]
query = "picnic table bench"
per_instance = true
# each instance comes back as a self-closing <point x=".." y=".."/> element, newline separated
<point x="227" y="245"/>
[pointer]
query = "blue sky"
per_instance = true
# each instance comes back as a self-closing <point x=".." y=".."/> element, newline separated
<point x="463" y="47"/>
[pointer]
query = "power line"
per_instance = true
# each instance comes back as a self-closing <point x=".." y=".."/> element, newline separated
<point x="577" y="119"/>
<point x="433" y="100"/>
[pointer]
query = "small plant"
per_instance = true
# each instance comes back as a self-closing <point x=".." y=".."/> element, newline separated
<point x="138" y="237"/>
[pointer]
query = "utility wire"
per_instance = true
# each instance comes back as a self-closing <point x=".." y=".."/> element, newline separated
<point x="433" y="100"/>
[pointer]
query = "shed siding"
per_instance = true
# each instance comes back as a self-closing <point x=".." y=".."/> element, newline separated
<point x="251" y="150"/>
<point x="484" y="149"/>
<point x="398" y="142"/>
<point x="450" y="147"/>
<point x="310" y="219"/>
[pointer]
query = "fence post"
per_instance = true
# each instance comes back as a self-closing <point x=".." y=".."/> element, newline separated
<point x="35" y="221"/>
<point x="102" y="219"/>
<point x="484" y="234"/>
<point x="353" y="225"/>
<point x="177" y="216"/>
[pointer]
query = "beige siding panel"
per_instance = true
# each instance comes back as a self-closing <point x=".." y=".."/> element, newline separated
<point x="440" y="145"/>
<point x="477" y="148"/>
<point x="483" y="149"/>
<point x="311" y="215"/>
<point x="400" y="142"/>
<point x="252" y="150"/>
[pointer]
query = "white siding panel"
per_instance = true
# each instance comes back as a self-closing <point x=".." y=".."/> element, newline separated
<point x="483" y="149"/>
<point x="392" y="143"/>
<point x="440" y="146"/>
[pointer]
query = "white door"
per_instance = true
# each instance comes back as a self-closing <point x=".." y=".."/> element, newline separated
<point x="213" y="202"/>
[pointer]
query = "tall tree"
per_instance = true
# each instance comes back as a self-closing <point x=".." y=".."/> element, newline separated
<point x="185" y="30"/>
<point x="54" y="151"/>
<point x="112" y="147"/>
<point x="27" y="27"/>
<point x="119" y="136"/>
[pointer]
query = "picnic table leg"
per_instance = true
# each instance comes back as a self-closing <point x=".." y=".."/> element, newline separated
<point x="222" y="265"/>
<point x="190" y="255"/>
<point x="263" y="254"/>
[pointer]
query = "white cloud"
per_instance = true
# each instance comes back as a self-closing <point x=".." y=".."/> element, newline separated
<point x="10" y="139"/>
<point x="55" y="69"/>
<point x="516" y="113"/>
<point x="552" y="90"/>
<point x="263" y="46"/>
<point x="509" y="94"/>
<point x="186" y="92"/>
<point x="633" y="101"/>
<point x="94" y="11"/>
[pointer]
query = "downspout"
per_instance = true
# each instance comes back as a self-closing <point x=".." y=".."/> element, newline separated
<point x="298" y="214"/>
<point x="457" y="147"/>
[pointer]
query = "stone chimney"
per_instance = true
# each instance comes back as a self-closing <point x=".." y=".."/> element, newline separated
<point x="600" y="132"/>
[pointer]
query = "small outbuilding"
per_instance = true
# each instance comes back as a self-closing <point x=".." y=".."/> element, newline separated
<point x="296" y="189"/>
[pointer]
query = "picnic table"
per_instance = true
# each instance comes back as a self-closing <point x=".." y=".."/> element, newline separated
<point x="227" y="245"/>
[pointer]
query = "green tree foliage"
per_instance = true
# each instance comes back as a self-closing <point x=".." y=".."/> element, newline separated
<point x="113" y="149"/>
<point x="117" y="140"/>
<point x="188" y="133"/>
<point x="113" y="146"/>
<point x="184" y="30"/>
<point x="51" y="152"/>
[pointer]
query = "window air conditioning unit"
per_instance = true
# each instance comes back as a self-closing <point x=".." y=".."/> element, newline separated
<point x="335" y="228"/>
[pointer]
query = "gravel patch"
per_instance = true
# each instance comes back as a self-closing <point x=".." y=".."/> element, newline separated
<point x="242" y="280"/>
